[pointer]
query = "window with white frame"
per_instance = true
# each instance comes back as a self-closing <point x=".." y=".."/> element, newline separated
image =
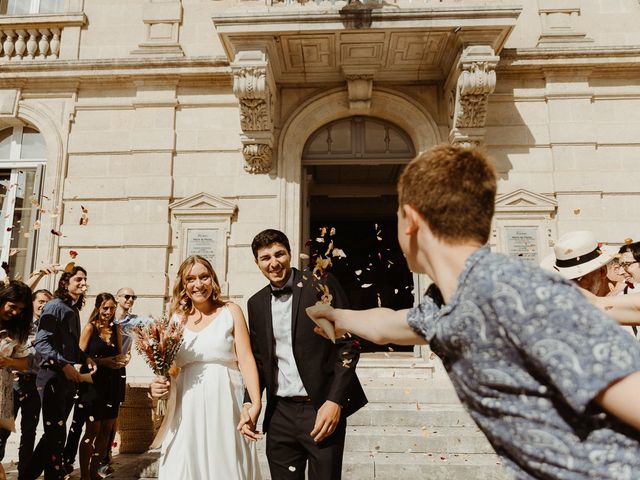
<point x="25" y="7"/>
<point x="22" y="163"/>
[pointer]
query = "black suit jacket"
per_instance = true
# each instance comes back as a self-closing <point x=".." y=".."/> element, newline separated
<point x="320" y="362"/>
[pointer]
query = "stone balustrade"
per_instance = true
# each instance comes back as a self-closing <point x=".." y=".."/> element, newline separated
<point x="32" y="43"/>
<point x="39" y="37"/>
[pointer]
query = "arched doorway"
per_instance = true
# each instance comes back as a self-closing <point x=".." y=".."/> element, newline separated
<point x="351" y="167"/>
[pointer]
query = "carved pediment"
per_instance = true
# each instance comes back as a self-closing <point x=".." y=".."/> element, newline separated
<point x="203" y="204"/>
<point x="524" y="201"/>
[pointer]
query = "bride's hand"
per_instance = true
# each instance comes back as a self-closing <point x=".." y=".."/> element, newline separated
<point x="160" y="387"/>
<point x="248" y="421"/>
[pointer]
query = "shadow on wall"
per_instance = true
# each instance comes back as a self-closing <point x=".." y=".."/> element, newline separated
<point x="508" y="134"/>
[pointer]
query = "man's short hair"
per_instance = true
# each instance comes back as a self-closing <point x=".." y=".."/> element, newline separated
<point x="454" y="189"/>
<point x="269" y="237"/>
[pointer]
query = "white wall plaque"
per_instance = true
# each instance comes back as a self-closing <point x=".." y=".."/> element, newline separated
<point x="522" y="242"/>
<point x="204" y="242"/>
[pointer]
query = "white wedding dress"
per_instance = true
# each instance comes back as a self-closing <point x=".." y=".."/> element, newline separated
<point x="202" y="442"/>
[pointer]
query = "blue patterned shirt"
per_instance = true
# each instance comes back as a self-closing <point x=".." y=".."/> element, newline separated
<point x="527" y="354"/>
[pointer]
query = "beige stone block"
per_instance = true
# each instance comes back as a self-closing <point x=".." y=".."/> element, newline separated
<point x="219" y="186"/>
<point x="571" y="110"/>
<point x="88" y="165"/>
<point x="516" y="135"/>
<point x="141" y="163"/>
<point x="153" y="139"/>
<point x="207" y="163"/>
<point x="113" y="140"/>
<point x="90" y="236"/>
<point x="147" y="234"/>
<point x="533" y="181"/>
<point x="261" y="211"/>
<point x="572" y="132"/>
<point x="622" y="132"/>
<point x="155" y="117"/>
<point x="586" y="207"/>
<point x="522" y="160"/>
<point x="198" y="36"/>
<point x="89" y="187"/>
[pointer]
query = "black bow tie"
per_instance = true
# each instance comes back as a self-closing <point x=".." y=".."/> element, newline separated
<point x="281" y="291"/>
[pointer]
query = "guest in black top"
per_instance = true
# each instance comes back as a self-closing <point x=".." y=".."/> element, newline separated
<point x="57" y="343"/>
<point x="101" y="340"/>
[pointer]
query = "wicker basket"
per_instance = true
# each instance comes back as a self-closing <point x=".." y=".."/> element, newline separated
<point x="135" y="420"/>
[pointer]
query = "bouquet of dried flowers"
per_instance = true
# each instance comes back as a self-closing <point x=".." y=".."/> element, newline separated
<point x="158" y="341"/>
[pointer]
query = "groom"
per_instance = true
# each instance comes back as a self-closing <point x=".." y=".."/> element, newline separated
<point x="311" y="383"/>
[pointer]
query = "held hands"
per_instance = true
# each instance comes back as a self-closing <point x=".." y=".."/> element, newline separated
<point x="160" y="387"/>
<point x="249" y="421"/>
<point x="327" y="420"/>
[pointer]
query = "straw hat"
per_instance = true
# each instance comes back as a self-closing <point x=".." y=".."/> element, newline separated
<point x="577" y="253"/>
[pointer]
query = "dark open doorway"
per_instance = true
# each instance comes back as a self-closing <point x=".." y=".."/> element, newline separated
<point x="351" y="167"/>
<point x="374" y="272"/>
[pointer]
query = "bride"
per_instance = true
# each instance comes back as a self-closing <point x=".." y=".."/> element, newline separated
<point x="202" y="437"/>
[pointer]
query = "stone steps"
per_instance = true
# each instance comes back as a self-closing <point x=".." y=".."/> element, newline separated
<point x="408" y="390"/>
<point x="393" y="466"/>
<point x="408" y="414"/>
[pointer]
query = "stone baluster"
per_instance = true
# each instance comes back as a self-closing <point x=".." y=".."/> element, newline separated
<point x="21" y="45"/>
<point x="43" y="44"/>
<point x="54" y="45"/>
<point x="8" y="46"/>
<point x="32" y="43"/>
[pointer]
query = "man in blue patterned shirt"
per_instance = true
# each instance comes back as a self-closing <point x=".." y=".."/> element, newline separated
<point x="551" y="380"/>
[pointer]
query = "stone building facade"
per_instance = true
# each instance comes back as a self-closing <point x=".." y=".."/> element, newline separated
<point x="135" y="132"/>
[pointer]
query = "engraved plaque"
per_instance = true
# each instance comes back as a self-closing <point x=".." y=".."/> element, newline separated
<point x="523" y="242"/>
<point x="203" y="242"/>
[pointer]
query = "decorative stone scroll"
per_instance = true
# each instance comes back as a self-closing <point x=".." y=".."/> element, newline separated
<point x="254" y="87"/>
<point x="258" y="158"/>
<point x="360" y="89"/>
<point x="468" y="102"/>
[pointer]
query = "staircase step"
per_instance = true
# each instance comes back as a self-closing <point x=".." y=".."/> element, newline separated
<point x="412" y="415"/>
<point x="446" y="440"/>
<point x="408" y="390"/>
<point x="364" y="466"/>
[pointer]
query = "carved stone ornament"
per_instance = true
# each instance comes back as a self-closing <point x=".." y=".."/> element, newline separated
<point x="251" y="88"/>
<point x="360" y="90"/>
<point x="474" y="87"/>
<point x="258" y="158"/>
<point x="254" y="87"/>
<point x="476" y="81"/>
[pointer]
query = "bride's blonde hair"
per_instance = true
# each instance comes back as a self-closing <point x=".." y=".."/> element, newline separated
<point x="180" y="301"/>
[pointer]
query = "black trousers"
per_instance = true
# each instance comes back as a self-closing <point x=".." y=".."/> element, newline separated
<point x="289" y="445"/>
<point x="27" y="399"/>
<point x="75" y="433"/>
<point x="57" y="399"/>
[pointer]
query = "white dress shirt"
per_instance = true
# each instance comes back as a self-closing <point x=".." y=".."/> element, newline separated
<point x="289" y="381"/>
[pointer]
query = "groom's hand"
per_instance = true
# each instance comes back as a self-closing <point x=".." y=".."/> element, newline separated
<point x="327" y="420"/>
<point x="248" y="421"/>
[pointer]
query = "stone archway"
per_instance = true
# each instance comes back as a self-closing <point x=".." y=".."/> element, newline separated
<point x="322" y="109"/>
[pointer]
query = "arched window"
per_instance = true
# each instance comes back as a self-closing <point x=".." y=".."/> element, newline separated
<point x="22" y="161"/>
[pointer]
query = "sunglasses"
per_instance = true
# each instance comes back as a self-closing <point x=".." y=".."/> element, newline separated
<point x="130" y="297"/>
<point x="626" y="265"/>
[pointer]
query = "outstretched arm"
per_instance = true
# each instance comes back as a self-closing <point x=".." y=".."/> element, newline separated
<point x="378" y="325"/>
<point x="625" y="309"/>
<point x="621" y="399"/>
